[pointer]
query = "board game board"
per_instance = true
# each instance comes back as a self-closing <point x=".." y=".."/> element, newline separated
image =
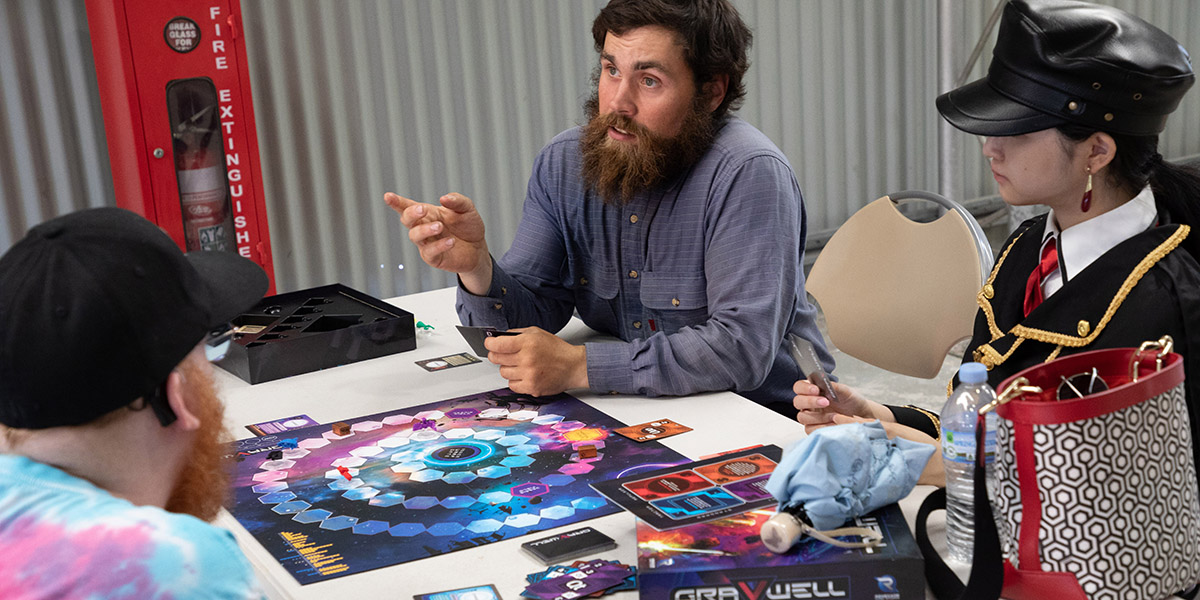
<point x="423" y="481"/>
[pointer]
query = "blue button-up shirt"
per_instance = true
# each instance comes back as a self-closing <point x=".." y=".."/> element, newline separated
<point x="702" y="278"/>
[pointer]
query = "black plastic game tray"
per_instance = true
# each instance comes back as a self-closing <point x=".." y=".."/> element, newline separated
<point x="314" y="329"/>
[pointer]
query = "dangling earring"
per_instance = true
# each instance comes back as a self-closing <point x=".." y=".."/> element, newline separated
<point x="1087" y="194"/>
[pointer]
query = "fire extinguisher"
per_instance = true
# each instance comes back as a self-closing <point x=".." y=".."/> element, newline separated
<point x="199" y="166"/>
<point x="202" y="194"/>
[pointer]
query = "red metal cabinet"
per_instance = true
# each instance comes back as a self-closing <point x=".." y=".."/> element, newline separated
<point x="175" y="93"/>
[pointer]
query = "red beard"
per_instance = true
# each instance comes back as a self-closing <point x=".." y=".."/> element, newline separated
<point x="203" y="485"/>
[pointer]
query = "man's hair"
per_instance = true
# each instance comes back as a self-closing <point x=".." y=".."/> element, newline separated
<point x="715" y="40"/>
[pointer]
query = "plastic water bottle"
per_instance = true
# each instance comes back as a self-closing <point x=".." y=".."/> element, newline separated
<point x="958" y="454"/>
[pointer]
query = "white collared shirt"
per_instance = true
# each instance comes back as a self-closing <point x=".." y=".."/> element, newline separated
<point x="1080" y="245"/>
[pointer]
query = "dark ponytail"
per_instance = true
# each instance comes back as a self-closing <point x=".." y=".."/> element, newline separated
<point x="1176" y="187"/>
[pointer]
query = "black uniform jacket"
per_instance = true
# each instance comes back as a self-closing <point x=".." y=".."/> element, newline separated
<point x="1140" y="290"/>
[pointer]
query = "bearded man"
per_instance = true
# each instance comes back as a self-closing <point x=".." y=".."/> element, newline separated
<point x="664" y="221"/>
<point x="110" y="429"/>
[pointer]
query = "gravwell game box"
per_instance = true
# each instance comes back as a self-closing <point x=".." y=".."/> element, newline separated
<point x="726" y="559"/>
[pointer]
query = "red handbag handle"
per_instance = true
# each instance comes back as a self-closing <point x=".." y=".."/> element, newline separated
<point x="1113" y="364"/>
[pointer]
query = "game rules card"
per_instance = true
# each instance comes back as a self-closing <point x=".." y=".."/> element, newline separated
<point x="699" y="491"/>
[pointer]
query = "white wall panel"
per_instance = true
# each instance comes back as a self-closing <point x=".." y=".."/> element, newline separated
<point x="354" y="98"/>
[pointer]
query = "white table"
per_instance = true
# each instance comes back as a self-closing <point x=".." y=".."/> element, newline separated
<point x="720" y="421"/>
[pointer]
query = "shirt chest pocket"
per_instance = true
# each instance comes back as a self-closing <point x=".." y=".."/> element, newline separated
<point x="674" y="300"/>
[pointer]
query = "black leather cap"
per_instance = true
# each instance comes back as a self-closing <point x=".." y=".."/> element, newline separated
<point x="1060" y="61"/>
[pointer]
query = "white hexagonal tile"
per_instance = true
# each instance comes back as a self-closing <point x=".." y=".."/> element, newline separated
<point x="349" y="461"/>
<point x="277" y="465"/>
<point x="294" y="453"/>
<point x="313" y="443"/>
<point x="426" y="435"/>
<point x="366" y="426"/>
<point x="459" y="433"/>
<point x="547" y="419"/>
<point x="366" y="451"/>
<point x="522" y="520"/>
<point x="333" y="437"/>
<point x="342" y="484"/>
<point x="394" y="441"/>
<point x="489" y="434"/>
<point x="523" y="415"/>
<point x="430" y="414"/>
<point x="395" y="420"/>
<point x="494" y="413"/>
<point x="512" y="440"/>
<point x="556" y="512"/>
<point x="410" y="467"/>
<point x="270" y="476"/>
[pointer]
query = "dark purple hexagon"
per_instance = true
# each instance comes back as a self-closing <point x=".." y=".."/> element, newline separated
<point x="462" y="413"/>
<point x="529" y="489"/>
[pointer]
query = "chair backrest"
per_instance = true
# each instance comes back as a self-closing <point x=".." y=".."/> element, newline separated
<point x="899" y="294"/>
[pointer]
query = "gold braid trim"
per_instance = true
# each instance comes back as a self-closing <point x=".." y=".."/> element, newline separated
<point x="1053" y="355"/>
<point x="1136" y="275"/>
<point x="937" y="422"/>
<point x="990" y="358"/>
<point x="984" y="302"/>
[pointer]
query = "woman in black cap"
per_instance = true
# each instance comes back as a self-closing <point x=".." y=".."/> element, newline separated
<point x="1072" y="106"/>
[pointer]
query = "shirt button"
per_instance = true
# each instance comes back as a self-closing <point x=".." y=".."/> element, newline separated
<point x="633" y="274"/>
<point x="633" y="218"/>
<point x="503" y="291"/>
<point x="674" y="301"/>
<point x="583" y="281"/>
<point x="637" y="324"/>
<point x="497" y="306"/>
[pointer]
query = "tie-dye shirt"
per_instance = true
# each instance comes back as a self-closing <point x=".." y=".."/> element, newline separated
<point x="63" y="537"/>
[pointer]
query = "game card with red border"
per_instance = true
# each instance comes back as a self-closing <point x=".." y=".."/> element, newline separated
<point x="653" y="430"/>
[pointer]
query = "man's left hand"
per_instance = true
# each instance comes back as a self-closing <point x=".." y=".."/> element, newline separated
<point x="537" y="362"/>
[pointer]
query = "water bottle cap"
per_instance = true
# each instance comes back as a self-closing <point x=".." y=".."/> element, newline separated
<point x="972" y="372"/>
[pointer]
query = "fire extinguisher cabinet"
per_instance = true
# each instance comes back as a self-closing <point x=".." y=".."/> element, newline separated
<point x="175" y="92"/>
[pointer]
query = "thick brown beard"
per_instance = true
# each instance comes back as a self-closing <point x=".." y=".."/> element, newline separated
<point x="203" y="485"/>
<point x="618" y="170"/>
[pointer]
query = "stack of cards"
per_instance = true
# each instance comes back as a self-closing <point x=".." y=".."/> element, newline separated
<point x="580" y="579"/>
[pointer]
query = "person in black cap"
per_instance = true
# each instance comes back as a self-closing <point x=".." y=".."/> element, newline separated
<point x="110" y="427"/>
<point x="1072" y="106"/>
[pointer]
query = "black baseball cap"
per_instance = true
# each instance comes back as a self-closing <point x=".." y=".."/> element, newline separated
<point x="1060" y="61"/>
<point x="97" y="307"/>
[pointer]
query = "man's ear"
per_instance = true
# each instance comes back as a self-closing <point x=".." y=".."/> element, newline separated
<point x="179" y="399"/>
<point x="715" y="89"/>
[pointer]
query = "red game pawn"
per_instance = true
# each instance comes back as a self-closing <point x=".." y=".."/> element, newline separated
<point x="345" y="473"/>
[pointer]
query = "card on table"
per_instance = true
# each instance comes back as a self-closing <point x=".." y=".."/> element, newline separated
<point x="565" y="546"/>
<point x="476" y="335"/>
<point x="696" y="492"/>
<point x="653" y="430"/>
<point x="442" y="363"/>
<point x="281" y="425"/>
<point x="479" y="592"/>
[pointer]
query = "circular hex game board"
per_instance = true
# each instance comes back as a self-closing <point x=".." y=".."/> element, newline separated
<point x="419" y="482"/>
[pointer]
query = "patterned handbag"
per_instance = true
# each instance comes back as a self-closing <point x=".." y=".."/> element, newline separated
<point x="1095" y="490"/>
<point x="1097" y="495"/>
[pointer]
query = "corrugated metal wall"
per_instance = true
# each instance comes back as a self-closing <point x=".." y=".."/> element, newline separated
<point x="427" y="96"/>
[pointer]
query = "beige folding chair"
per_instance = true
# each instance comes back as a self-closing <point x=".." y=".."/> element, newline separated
<point x="899" y="294"/>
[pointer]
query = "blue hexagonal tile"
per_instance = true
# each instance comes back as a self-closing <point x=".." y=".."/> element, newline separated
<point x="557" y="479"/>
<point x="388" y="499"/>
<point x="342" y="484"/>
<point x="444" y="529"/>
<point x="512" y="440"/>
<point x="276" y="497"/>
<point x="291" y="508"/>
<point x="460" y="477"/>
<point x="489" y="434"/>
<point x="405" y="456"/>
<point x="420" y="502"/>
<point x="267" y="488"/>
<point x="522" y="520"/>
<point x="494" y="472"/>
<point x="371" y="527"/>
<point x="547" y="419"/>
<point x="315" y="515"/>
<point x="338" y="523"/>
<point x="524" y="449"/>
<point x="484" y="526"/>
<point x="495" y="497"/>
<point x="459" y="433"/>
<point x="409" y="467"/>
<point x="556" y="512"/>
<point x="426" y="475"/>
<point x="588" y="503"/>
<point x="362" y="493"/>
<point x="457" y="501"/>
<point x="517" y="461"/>
<point x="406" y="529"/>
